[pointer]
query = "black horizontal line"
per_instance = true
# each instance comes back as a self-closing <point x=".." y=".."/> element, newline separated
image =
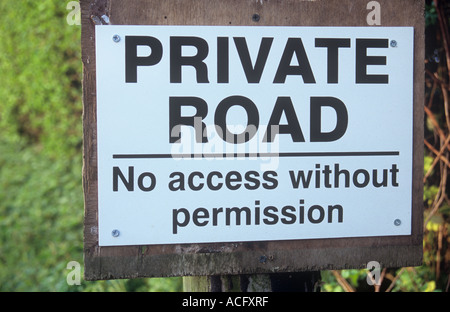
<point x="257" y="155"/>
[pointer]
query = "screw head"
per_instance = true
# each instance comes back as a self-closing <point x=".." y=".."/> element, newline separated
<point x="116" y="38"/>
<point x="256" y="17"/>
<point x="397" y="222"/>
<point x="115" y="233"/>
<point x="393" y="43"/>
<point x="263" y="259"/>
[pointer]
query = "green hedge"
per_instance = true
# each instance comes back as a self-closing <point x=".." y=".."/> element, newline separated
<point x="40" y="88"/>
<point x="41" y="196"/>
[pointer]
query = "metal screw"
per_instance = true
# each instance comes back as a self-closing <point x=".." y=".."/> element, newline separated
<point x="397" y="222"/>
<point x="393" y="43"/>
<point x="256" y="17"/>
<point x="263" y="259"/>
<point x="116" y="38"/>
<point x="115" y="233"/>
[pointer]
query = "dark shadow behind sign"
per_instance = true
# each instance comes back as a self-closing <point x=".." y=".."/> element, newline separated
<point x="249" y="257"/>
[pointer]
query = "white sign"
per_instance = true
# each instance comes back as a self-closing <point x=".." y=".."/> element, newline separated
<point x="221" y="134"/>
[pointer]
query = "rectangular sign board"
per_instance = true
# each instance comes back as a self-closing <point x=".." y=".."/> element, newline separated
<point x="251" y="137"/>
<point x="224" y="134"/>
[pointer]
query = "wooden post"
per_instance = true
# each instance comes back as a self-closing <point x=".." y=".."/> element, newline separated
<point x="275" y="282"/>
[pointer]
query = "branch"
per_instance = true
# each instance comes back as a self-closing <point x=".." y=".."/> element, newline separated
<point x="438" y="154"/>
<point x="440" y="196"/>
<point x="435" y="123"/>
<point x="438" y="157"/>
<point x="395" y="280"/>
<point x="342" y="281"/>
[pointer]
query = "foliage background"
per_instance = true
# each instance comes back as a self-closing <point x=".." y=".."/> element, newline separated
<point x="41" y="196"/>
